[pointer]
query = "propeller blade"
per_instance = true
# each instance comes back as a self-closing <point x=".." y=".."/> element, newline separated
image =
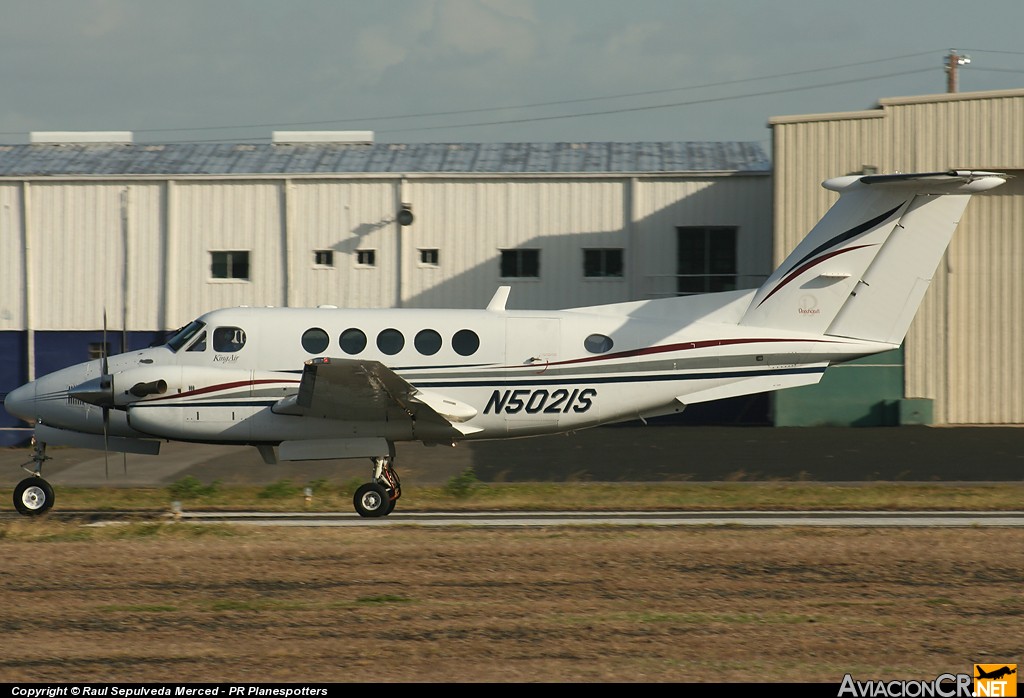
<point x="106" y="451"/>
<point x="103" y="353"/>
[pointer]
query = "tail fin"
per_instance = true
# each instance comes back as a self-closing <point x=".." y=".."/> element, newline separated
<point x="863" y="269"/>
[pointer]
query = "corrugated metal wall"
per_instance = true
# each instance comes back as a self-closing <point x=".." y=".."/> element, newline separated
<point x="342" y="216"/>
<point x="963" y="350"/>
<point x="661" y="205"/>
<point x="12" y="251"/>
<point x="94" y="243"/>
<point x="470" y="221"/>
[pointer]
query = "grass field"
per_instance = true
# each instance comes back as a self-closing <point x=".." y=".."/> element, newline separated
<point x="196" y="603"/>
<point x="176" y="602"/>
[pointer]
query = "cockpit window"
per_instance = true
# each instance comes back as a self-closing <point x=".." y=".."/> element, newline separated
<point x="182" y="336"/>
<point x="199" y="344"/>
<point x="228" y="339"/>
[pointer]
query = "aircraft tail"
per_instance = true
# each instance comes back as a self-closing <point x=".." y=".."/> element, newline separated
<point x="863" y="270"/>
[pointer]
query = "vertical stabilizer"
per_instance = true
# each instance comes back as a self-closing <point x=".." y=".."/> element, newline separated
<point x="864" y="268"/>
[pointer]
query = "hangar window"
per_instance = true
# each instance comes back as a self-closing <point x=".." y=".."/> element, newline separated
<point x="520" y="264"/>
<point x="228" y="339"/>
<point x="706" y="259"/>
<point x="598" y="343"/>
<point x="323" y="258"/>
<point x="230" y="264"/>
<point x="602" y="263"/>
<point x="430" y="257"/>
<point x="366" y="258"/>
<point x="315" y="340"/>
<point x="427" y="342"/>
<point x="390" y="341"/>
<point x="465" y="342"/>
<point x="352" y="340"/>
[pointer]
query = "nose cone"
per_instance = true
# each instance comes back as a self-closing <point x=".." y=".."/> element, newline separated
<point x="21" y="402"/>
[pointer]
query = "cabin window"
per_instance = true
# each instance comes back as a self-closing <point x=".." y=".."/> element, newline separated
<point x="228" y="339"/>
<point x="323" y="258"/>
<point x="390" y="341"/>
<point x="230" y="264"/>
<point x="465" y="342"/>
<point x="315" y="340"/>
<point x="427" y="342"/>
<point x="352" y="340"/>
<point x="598" y="343"/>
<point x="199" y="344"/>
<point x="182" y="336"/>
<point x="520" y="264"/>
<point x="366" y="258"/>
<point x="602" y="263"/>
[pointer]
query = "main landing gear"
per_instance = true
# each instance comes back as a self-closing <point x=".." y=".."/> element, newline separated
<point x="34" y="495"/>
<point x="378" y="498"/>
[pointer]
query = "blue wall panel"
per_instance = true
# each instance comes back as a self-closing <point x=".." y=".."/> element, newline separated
<point x="13" y="372"/>
<point x="54" y="351"/>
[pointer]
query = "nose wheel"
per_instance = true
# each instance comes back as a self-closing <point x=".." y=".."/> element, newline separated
<point x="378" y="498"/>
<point x="33" y="496"/>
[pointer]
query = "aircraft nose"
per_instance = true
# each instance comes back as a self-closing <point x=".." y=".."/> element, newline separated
<point x="20" y="402"/>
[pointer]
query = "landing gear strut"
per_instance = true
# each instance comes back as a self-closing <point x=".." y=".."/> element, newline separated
<point x="34" y="495"/>
<point x="378" y="498"/>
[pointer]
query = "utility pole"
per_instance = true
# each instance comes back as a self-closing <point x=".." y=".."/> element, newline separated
<point x="954" y="61"/>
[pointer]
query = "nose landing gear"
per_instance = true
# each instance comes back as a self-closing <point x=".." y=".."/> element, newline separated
<point x="34" y="495"/>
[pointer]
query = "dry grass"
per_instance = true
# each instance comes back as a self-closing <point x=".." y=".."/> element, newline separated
<point x="165" y="602"/>
<point x="778" y="496"/>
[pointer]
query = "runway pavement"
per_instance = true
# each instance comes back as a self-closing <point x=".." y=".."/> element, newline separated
<point x="860" y="519"/>
<point x="605" y="454"/>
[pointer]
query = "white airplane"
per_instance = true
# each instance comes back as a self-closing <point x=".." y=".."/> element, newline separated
<point x="324" y="383"/>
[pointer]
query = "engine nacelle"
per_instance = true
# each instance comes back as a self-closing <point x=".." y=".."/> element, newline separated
<point x="148" y="383"/>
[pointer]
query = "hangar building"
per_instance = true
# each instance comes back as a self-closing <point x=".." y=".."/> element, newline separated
<point x="153" y="235"/>
<point x="962" y="362"/>
<point x="156" y="234"/>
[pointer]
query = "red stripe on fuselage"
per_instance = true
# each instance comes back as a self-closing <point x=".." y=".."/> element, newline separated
<point x="220" y="386"/>
<point x="681" y="346"/>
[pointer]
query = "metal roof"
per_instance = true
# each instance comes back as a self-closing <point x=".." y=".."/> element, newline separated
<point x="311" y="158"/>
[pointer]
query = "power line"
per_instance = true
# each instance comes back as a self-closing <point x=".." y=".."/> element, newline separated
<point x="535" y="105"/>
<point x="659" y="106"/>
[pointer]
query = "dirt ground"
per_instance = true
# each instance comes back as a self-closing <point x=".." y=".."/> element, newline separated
<point x="187" y="603"/>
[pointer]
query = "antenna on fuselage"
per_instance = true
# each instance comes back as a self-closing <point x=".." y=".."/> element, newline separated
<point x="500" y="298"/>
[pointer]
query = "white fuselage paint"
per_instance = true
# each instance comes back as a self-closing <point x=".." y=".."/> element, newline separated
<point x="530" y="375"/>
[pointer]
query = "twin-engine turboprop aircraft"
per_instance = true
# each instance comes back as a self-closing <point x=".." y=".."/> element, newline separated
<point x="325" y="383"/>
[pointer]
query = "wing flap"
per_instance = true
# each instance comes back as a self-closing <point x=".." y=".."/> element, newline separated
<point x="356" y="390"/>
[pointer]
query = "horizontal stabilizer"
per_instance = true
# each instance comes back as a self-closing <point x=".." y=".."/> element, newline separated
<point x="806" y="374"/>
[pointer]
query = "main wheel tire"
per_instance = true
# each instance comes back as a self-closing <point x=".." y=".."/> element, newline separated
<point x="391" y="506"/>
<point x="371" y="500"/>
<point x="33" y="496"/>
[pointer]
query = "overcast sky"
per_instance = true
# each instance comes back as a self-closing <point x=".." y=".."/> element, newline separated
<point x="549" y="70"/>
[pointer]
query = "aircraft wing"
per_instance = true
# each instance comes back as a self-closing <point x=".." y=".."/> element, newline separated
<point x="356" y="390"/>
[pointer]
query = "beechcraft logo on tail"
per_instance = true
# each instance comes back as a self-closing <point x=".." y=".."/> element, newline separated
<point x="995" y="680"/>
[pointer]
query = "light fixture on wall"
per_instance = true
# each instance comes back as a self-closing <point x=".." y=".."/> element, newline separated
<point x="405" y="216"/>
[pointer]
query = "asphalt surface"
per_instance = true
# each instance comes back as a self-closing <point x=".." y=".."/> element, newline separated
<point x="606" y="454"/>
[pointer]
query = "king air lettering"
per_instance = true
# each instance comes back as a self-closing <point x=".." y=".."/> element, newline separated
<point x="560" y="401"/>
